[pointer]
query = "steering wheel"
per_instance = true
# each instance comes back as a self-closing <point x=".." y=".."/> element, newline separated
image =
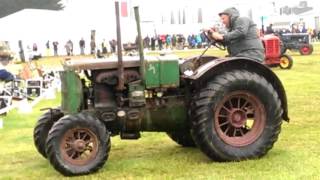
<point x="218" y="44"/>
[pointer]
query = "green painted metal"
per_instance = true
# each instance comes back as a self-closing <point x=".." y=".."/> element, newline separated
<point x="162" y="71"/>
<point x="152" y="73"/>
<point x="171" y="117"/>
<point x="169" y="71"/>
<point x="71" y="92"/>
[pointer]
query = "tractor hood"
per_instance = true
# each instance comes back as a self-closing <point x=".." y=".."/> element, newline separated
<point x="103" y="63"/>
<point x="110" y="62"/>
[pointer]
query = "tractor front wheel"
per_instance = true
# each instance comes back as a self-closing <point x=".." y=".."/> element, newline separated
<point x="42" y="128"/>
<point x="236" y="116"/>
<point x="286" y="62"/>
<point x="78" y="144"/>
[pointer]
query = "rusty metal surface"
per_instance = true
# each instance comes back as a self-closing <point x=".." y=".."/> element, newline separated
<point x="120" y="86"/>
<point x="105" y="63"/>
<point x="140" y="44"/>
<point x="129" y="76"/>
<point x="79" y="146"/>
<point x="239" y="118"/>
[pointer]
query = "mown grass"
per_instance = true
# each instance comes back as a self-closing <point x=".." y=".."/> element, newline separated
<point x="294" y="156"/>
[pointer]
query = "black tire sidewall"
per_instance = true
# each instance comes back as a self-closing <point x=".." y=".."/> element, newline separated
<point x="79" y="121"/>
<point x="226" y="152"/>
<point x="43" y="127"/>
<point x="182" y="138"/>
<point x="290" y="61"/>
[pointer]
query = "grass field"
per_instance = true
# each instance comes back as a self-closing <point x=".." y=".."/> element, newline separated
<point x="296" y="155"/>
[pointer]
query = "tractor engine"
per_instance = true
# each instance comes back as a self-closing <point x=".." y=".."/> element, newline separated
<point x="149" y="107"/>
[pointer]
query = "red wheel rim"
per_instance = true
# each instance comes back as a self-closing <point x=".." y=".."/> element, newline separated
<point x="239" y="118"/>
<point x="79" y="146"/>
<point x="305" y="50"/>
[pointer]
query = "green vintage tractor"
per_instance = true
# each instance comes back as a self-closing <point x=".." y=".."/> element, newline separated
<point x="230" y="108"/>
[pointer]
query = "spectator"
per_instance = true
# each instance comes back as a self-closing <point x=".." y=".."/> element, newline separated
<point x="198" y="41"/>
<point x="104" y="47"/>
<point x="160" y="43"/>
<point x="82" y="45"/>
<point x="69" y="48"/>
<point x="168" y="41"/>
<point x="113" y="44"/>
<point x="174" y="41"/>
<point x="48" y="48"/>
<point x="55" y="48"/>
<point x="270" y="29"/>
<point x="34" y="47"/>
<point x="146" y="42"/>
<point x="153" y="43"/>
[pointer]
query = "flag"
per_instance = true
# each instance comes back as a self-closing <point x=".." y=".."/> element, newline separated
<point x="124" y="9"/>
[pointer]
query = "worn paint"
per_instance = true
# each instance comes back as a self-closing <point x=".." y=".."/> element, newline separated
<point x="71" y="92"/>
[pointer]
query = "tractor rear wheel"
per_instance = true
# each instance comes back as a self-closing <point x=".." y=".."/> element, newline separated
<point x="236" y="116"/>
<point x="306" y="49"/>
<point x="286" y="62"/>
<point x="182" y="138"/>
<point x="42" y="128"/>
<point x="78" y="144"/>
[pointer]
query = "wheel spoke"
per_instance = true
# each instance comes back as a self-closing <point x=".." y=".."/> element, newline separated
<point x="222" y="116"/>
<point x="73" y="154"/>
<point x="244" y="105"/>
<point x="241" y="131"/>
<point x="224" y="123"/>
<point x="228" y="110"/>
<point x="68" y="149"/>
<point x="230" y="103"/>
<point x="226" y="131"/>
<point x="239" y="101"/>
<point x="85" y="136"/>
<point x="235" y="132"/>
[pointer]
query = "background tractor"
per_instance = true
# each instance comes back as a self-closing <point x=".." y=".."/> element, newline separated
<point x="230" y="108"/>
<point x="296" y="42"/>
<point x="273" y="55"/>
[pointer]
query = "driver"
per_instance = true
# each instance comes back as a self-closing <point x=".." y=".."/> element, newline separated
<point x="241" y="37"/>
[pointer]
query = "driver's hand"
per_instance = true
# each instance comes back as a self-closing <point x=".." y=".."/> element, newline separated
<point x="217" y="36"/>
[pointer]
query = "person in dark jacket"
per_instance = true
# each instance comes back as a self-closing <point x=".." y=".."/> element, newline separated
<point x="241" y="37"/>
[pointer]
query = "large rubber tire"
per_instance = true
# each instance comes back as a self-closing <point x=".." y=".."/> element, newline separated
<point x="42" y="128"/>
<point x="78" y="144"/>
<point x="286" y="62"/>
<point x="182" y="138"/>
<point x="306" y="49"/>
<point x="207" y="126"/>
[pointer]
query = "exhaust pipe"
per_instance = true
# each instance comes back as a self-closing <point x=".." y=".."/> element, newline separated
<point x="120" y="86"/>
<point x="140" y="44"/>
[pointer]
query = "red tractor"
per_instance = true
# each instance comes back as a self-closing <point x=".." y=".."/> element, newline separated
<point x="274" y="58"/>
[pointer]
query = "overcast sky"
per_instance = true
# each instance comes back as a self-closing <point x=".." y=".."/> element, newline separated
<point x="80" y="16"/>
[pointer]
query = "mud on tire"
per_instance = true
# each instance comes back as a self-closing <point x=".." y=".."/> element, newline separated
<point x="236" y="116"/>
<point x="78" y="144"/>
<point x="42" y="128"/>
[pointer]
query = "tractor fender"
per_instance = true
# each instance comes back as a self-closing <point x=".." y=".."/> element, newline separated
<point x="218" y="66"/>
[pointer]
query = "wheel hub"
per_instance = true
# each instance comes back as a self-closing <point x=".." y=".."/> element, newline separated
<point x="79" y="145"/>
<point x="237" y="118"/>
